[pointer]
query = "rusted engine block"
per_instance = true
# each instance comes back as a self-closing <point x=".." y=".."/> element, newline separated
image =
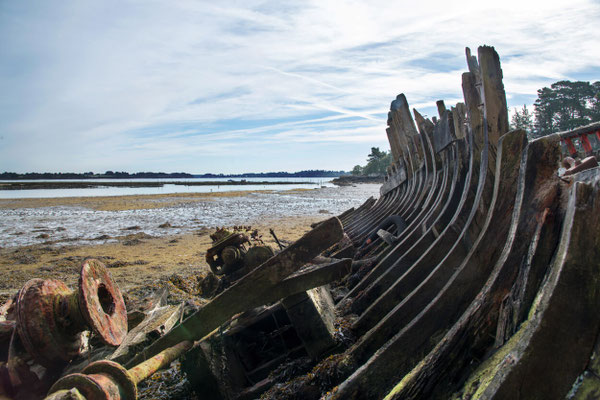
<point x="232" y="251"/>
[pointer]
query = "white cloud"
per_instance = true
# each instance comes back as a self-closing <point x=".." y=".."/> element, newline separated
<point x="122" y="84"/>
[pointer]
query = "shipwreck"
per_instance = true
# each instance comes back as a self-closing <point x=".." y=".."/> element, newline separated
<point x="473" y="276"/>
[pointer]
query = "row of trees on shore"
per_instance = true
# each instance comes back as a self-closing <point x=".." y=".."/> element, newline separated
<point x="377" y="163"/>
<point x="319" y="173"/>
<point x="563" y="106"/>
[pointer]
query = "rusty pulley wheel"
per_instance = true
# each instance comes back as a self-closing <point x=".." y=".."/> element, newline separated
<point x="51" y="317"/>
<point x="101" y="303"/>
<point x="38" y="325"/>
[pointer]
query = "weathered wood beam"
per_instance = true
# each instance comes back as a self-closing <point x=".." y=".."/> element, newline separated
<point x="416" y="320"/>
<point x="251" y="290"/>
<point x="554" y="345"/>
<point x="532" y="241"/>
<point x="458" y="117"/>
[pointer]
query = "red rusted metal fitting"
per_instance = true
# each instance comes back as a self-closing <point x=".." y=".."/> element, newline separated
<point x="107" y="380"/>
<point x="51" y="318"/>
<point x="587" y="146"/>
<point x="570" y="146"/>
<point x="101" y="380"/>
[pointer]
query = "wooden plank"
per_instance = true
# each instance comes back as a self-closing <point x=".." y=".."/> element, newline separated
<point x="394" y="144"/>
<point x="443" y="132"/>
<point x="441" y="107"/>
<point x="407" y="131"/>
<point x="157" y="323"/>
<point x="458" y="117"/>
<point x="553" y="346"/>
<point x="493" y="95"/>
<point x="472" y="62"/>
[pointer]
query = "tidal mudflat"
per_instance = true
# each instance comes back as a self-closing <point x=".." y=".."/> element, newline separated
<point x="147" y="238"/>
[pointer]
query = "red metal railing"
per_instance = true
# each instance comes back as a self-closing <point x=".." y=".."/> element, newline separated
<point x="581" y="135"/>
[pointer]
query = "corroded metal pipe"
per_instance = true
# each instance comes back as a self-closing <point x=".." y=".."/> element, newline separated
<point x="108" y="380"/>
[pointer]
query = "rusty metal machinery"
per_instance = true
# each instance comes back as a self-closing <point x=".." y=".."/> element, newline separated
<point x="108" y="380"/>
<point x="46" y="324"/>
<point x="51" y="317"/>
<point x="234" y="250"/>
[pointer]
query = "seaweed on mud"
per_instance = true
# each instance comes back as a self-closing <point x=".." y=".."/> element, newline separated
<point x="188" y="284"/>
<point x="195" y="287"/>
<point x="120" y="264"/>
<point x="326" y="374"/>
<point x="170" y="383"/>
<point x="25" y="259"/>
<point x="132" y="242"/>
<point x="135" y="239"/>
<point x="343" y="334"/>
<point x="290" y="369"/>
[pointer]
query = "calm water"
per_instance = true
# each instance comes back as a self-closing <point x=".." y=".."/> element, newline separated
<point x="291" y="183"/>
<point x="79" y="225"/>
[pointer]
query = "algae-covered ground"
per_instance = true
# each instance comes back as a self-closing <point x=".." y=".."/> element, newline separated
<point x="135" y="258"/>
<point x="145" y="239"/>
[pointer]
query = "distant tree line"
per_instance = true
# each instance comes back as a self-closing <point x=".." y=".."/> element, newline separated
<point x="312" y="173"/>
<point x="141" y="175"/>
<point x="563" y="106"/>
<point x="91" y="175"/>
<point x="377" y="163"/>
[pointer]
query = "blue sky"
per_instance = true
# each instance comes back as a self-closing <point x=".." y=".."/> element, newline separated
<point x="256" y="86"/>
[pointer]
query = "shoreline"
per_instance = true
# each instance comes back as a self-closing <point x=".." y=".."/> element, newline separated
<point x="146" y="239"/>
<point x="128" y="201"/>
<point x="91" y="184"/>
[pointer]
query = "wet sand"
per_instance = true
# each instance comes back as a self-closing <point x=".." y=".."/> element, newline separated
<point x="91" y="183"/>
<point x="122" y="203"/>
<point x="136" y="259"/>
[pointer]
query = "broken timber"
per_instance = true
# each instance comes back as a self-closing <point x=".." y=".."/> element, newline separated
<point x="252" y="290"/>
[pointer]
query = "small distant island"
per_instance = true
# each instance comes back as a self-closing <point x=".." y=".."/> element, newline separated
<point x="8" y="176"/>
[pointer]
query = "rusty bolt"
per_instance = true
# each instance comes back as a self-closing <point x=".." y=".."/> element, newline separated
<point x="108" y="380"/>
<point x="51" y="317"/>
